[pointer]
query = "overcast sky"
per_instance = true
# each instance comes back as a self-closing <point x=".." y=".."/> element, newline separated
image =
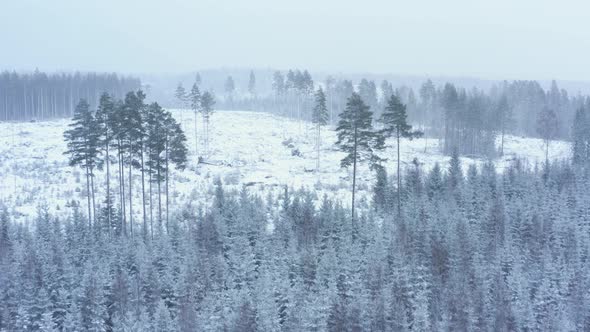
<point x="499" y="39"/>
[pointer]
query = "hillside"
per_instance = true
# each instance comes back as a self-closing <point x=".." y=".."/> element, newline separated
<point x="257" y="150"/>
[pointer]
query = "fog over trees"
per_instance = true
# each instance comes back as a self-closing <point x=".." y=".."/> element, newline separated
<point x="246" y="166"/>
<point x="38" y="95"/>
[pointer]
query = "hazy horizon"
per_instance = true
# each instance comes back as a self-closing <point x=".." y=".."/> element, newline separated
<point x="539" y="40"/>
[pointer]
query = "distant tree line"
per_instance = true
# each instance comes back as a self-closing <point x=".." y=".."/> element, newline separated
<point x="39" y="95"/>
<point x="471" y="120"/>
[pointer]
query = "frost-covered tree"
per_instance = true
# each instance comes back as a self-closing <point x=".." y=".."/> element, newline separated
<point x="230" y="88"/>
<point x="395" y="124"/>
<point x="547" y="127"/>
<point x="83" y="147"/>
<point x="356" y="138"/>
<point x="207" y="103"/>
<point x="252" y="84"/>
<point x="182" y="98"/>
<point x="195" y="99"/>
<point x="320" y="118"/>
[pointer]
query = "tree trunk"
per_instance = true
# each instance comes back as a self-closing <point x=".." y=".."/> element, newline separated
<point x="143" y="194"/>
<point x="151" y="204"/>
<point x="399" y="183"/>
<point x="130" y="198"/>
<point x="354" y="173"/>
<point x="108" y="190"/>
<point x="122" y="191"/>
<point x="93" y="200"/>
<point x="196" y="138"/>
<point x="167" y="198"/>
<point x="88" y="194"/>
<point x="159" y="196"/>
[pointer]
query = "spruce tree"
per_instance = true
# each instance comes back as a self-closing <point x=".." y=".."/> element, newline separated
<point x="394" y="119"/>
<point x="356" y="138"/>
<point x="319" y="118"/>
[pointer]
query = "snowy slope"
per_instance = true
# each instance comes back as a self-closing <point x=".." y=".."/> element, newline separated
<point x="246" y="148"/>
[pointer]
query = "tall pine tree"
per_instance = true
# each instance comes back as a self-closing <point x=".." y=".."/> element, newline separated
<point x="394" y="119"/>
<point x="356" y="138"/>
<point x="319" y="118"/>
<point x="82" y="141"/>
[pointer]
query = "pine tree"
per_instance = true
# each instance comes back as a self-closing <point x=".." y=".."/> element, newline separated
<point x="133" y="107"/>
<point x="356" y="138"/>
<point x="230" y="87"/>
<point x="319" y="118"/>
<point x="104" y="116"/>
<point x="427" y="97"/>
<point x="82" y="141"/>
<point x="504" y="112"/>
<point x="182" y="97"/>
<point x="175" y="153"/>
<point x="207" y="103"/>
<point x="195" y="98"/>
<point x="547" y="127"/>
<point x="252" y="84"/>
<point x="394" y="119"/>
<point x="581" y="137"/>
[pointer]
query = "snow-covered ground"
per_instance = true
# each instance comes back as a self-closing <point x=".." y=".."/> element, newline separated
<point x="246" y="148"/>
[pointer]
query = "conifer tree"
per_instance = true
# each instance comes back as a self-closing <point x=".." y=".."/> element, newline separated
<point x="356" y="138"/>
<point x="133" y="108"/>
<point x="82" y="141"/>
<point x="104" y="116"/>
<point x="547" y="127"/>
<point x="195" y="97"/>
<point x="252" y="84"/>
<point x="581" y="137"/>
<point x="182" y="97"/>
<point x="175" y="153"/>
<point x="427" y="97"/>
<point x="207" y="103"/>
<point x="455" y="173"/>
<point x="394" y="119"/>
<point x="230" y="87"/>
<point x="504" y="111"/>
<point x="319" y="118"/>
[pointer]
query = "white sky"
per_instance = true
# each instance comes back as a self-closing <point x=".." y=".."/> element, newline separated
<point x="499" y="39"/>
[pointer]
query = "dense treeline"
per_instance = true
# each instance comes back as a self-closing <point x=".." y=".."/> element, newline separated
<point x="472" y="250"/>
<point x="472" y="120"/>
<point x="39" y="95"/>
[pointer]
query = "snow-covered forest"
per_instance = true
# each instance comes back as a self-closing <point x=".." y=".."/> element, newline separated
<point x="324" y="219"/>
<point x="279" y="166"/>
